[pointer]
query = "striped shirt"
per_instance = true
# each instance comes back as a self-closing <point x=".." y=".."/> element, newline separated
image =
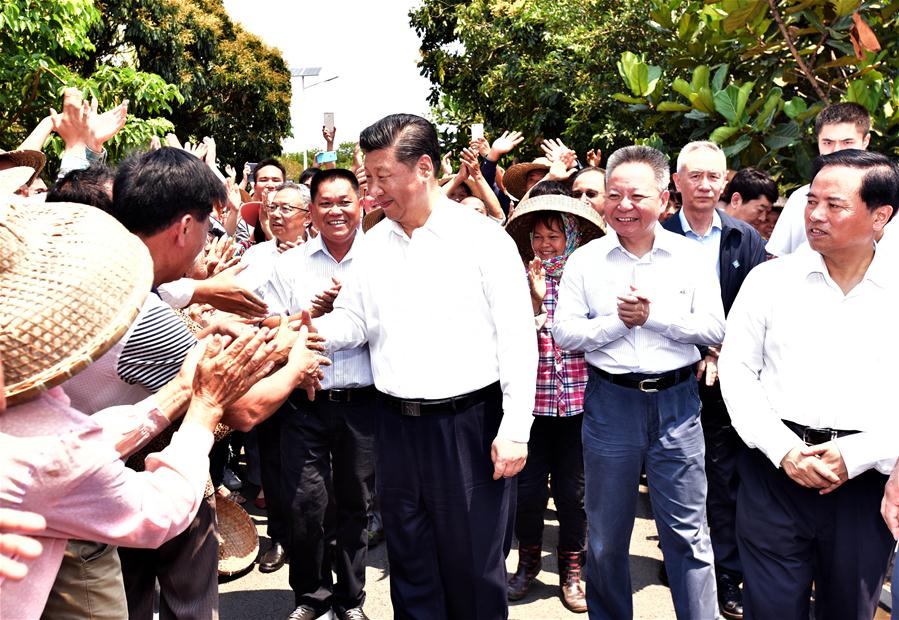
<point x="685" y="304"/>
<point x="300" y="274"/>
<point x="561" y="375"/>
<point x="155" y="348"/>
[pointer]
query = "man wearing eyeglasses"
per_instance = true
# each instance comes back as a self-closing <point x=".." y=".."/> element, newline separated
<point x="288" y="212"/>
<point x="734" y="248"/>
<point x="637" y="302"/>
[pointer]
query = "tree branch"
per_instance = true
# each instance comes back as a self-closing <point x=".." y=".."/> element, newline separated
<point x="802" y="66"/>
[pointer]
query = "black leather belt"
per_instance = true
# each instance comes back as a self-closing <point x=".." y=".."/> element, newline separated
<point x="812" y="435"/>
<point x="345" y="395"/>
<point x="419" y="407"/>
<point x="645" y="382"/>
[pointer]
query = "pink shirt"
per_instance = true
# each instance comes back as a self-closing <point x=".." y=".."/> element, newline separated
<point x="67" y="466"/>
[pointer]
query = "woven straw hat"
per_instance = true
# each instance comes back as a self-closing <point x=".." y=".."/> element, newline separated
<point x="30" y="159"/>
<point x="516" y="176"/>
<point x="524" y="216"/>
<point x="13" y="178"/>
<point x="372" y="217"/>
<point x="72" y="279"/>
<point x="238" y="541"/>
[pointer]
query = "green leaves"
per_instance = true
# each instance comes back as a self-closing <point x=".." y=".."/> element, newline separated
<point x="640" y="77"/>
<point x="731" y="103"/>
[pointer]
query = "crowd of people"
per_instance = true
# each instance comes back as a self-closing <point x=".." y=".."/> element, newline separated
<point x="428" y="354"/>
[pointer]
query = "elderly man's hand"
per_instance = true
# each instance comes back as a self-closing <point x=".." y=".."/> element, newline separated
<point x="633" y="309"/>
<point x="508" y="457"/>
<point x="226" y="371"/>
<point x="830" y="456"/>
<point x="808" y="471"/>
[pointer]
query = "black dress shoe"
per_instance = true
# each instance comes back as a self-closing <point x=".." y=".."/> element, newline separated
<point x="273" y="559"/>
<point x="730" y="598"/>
<point x="355" y="613"/>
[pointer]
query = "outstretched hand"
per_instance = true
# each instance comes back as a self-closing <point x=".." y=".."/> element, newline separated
<point x="504" y="144"/>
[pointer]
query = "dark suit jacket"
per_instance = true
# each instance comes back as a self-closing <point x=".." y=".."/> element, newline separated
<point x="742" y="248"/>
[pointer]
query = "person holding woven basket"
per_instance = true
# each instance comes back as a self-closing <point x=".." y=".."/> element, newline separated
<point x="58" y="461"/>
<point x="547" y="229"/>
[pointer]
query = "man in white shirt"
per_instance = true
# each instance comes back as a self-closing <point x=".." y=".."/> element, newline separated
<point x="837" y="127"/>
<point x="440" y="295"/>
<point x="327" y="444"/>
<point x="637" y="302"/>
<point x="805" y="370"/>
<point x="733" y="247"/>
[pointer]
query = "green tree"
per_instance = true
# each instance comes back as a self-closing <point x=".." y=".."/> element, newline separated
<point x="752" y="74"/>
<point x="234" y="88"/>
<point x="38" y="42"/>
<point x="538" y="66"/>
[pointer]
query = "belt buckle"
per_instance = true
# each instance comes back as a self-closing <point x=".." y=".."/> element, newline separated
<point x="648" y="390"/>
<point x="815" y="436"/>
<point x="333" y="393"/>
<point x="410" y="408"/>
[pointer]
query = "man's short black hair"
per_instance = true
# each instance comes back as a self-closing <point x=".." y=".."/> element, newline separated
<point x="410" y="135"/>
<point x="880" y="184"/>
<point x="153" y="190"/>
<point x="546" y="188"/>
<point x="87" y="186"/>
<point x="271" y="161"/>
<point x="306" y="174"/>
<point x="844" y="113"/>
<point x="323" y="176"/>
<point x="751" y="183"/>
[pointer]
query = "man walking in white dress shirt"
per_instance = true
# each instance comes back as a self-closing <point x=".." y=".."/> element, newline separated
<point x="806" y="366"/>
<point x="439" y="293"/>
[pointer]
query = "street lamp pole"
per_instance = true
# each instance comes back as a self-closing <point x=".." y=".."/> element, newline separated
<point x="303" y="73"/>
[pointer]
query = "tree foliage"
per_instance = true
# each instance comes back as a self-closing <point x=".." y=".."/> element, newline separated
<point x="538" y="66"/>
<point x="752" y="74"/>
<point x="38" y="42"/>
<point x="234" y="87"/>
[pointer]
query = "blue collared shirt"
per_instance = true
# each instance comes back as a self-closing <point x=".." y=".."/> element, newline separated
<point x="711" y="240"/>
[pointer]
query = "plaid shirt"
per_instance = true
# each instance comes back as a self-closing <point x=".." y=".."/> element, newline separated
<point x="561" y="375"/>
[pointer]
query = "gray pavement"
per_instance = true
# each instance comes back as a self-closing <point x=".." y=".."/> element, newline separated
<point x="258" y="596"/>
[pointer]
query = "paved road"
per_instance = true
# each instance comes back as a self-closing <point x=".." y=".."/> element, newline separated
<point x="256" y="596"/>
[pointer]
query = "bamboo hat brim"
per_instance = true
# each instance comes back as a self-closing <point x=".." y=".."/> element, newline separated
<point x="521" y="223"/>
<point x="238" y="541"/>
<point x="516" y="176"/>
<point x="72" y="280"/>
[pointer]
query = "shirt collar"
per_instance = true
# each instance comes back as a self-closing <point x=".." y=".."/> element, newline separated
<point x="316" y="244"/>
<point x="880" y="272"/>
<point x="436" y="222"/>
<point x="661" y="242"/>
<point x="716" y="223"/>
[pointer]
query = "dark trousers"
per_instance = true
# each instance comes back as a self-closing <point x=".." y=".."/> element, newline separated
<point x="555" y="452"/>
<point x="187" y="569"/>
<point x="445" y="518"/>
<point x="722" y="452"/>
<point x="790" y="536"/>
<point x="327" y="453"/>
<point x="268" y="438"/>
